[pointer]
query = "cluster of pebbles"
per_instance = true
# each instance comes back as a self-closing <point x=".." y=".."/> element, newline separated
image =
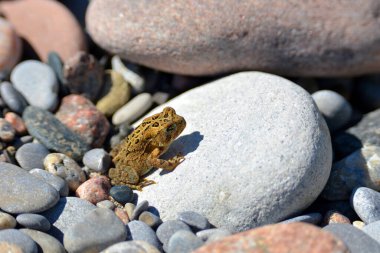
<point x="270" y="166"/>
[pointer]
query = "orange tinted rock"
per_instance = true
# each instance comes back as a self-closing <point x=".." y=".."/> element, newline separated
<point x="46" y="25"/>
<point x="94" y="190"/>
<point x="278" y="238"/>
<point x="122" y="214"/>
<point x="335" y="217"/>
<point x="10" y="46"/>
<point x="16" y="122"/>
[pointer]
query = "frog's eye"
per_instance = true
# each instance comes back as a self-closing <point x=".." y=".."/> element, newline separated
<point x="171" y="128"/>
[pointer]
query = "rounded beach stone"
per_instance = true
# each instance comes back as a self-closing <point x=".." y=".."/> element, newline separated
<point x="116" y="94"/>
<point x="55" y="62"/>
<point x="294" y="237"/>
<point x="15" y="237"/>
<point x="138" y="230"/>
<point x="106" y="204"/>
<point x="66" y="168"/>
<point x="139" y="208"/>
<point x="213" y="234"/>
<point x="361" y="168"/>
<point x="97" y="160"/>
<point x="122" y="194"/>
<point x="18" y="188"/>
<point x="10" y="46"/>
<point x="332" y="217"/>
<point x="16" y="122"/>
<point x="312" y="218"/>
<point x="134" y="246"/>
<point x="262" y="149"/>
<point x="359" y="224"/>
<point x="62" y="33"/>
<point x="150" y="219"/>
<point x="130" y="208"/>
<point x="169" y="228"/>
<point x="195" y="220"/>
<point x="7" y="221"/>
<point x="58" y="183"/>
<point x="7" y="132"/>
<point x="31" y="155"/>
<point x="136" y="81"/>
<point x="373" y="230"/>
<point x="366" y="203"/>
<point x="83" y="75"/>
<point x="82" y="117"/>
<point x="255" y="34"/>
<point x="46" y="242"/>
<point x="334" y="107"/>
<point x="133" y="109"/>
<point x="356" y="240"/>
<point x="183" y="241"/>
<point x="94" y="190"/>
<point x="12" y="97"/>
<point x="104" y="228"/>
<point x="37" y="82"/>
<point x="33" y="221"/>
<point x="122" y="215"/>
<point x="65" y="214"/>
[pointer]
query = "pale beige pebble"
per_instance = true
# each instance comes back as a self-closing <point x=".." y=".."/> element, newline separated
<point x="129" y="208"/>
<point x="7" y="221"/>
<point x="135" y="80"/>
<point x="133" y="109"/>
<point x="359" y="224"/>
<point x="16" y="122"/>
<point x="10" y="46"/>
<point x="63" y="166"/>
<point x="95" y="189"/>
<point x="10" y="248"/>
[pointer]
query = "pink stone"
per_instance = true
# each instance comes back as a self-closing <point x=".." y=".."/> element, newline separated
<point x="10" y="46"/>
<point x="94" y="190"/>
<point x="16" y="122"/>
<point x="83" y="118"/>
<point x="122" y="214"/>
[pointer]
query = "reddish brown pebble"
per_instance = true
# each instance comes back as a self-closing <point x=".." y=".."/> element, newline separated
<point x="278" y="238"/>
<point x="122" y="214"/>
<point x="94" y="190"/>
<point x="16" y="122"/>
<point x="335" y="217"/>
<point x="61" y="31"/>
<point x="83" y="118"/>
<point x="10" y="46"/>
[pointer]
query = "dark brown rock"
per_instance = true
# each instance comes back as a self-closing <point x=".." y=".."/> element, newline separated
<point x="83" y="118"/>
<point x="306" y="38"/>
<point x="279" y="238"/>
<point x="46" y="26"/>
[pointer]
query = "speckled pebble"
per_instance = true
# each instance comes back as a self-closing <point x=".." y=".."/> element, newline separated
<point x="134" y="246"/>
<point x="168" y="228"/>
<point x="312" y="218"/>
<point x="133" y="109"/>
<point x="16" y="122"/>
<point x="122" y="194"/>
<point x="150" y="219"/>
<point x="7" y="132"/>
<point x="137" y="230"/>
<point x="373" y="230"/>
<point x="136" y="81"/>
<point x="58" y="183"/>
<point x="332" y="217"/>
<point x="94" y="189"/>
<point x="366" y="203"/>
<point x="12" y="97"/>
<point x="213" y="234"/>
<point x="195" y="220"/>
<point x="15" y="237"/>
<point x="37" y="82"/>
<point x="122" y="215"/>
<point x="33" y="221"/>
<point x="183" y="241"/>
<point x="7" y="221"/>
<point x="31" y="155"/>
<point x="63" y="166"/>
<point x="106" y="204"/>
<point x="139" y="208"/>
<point x="129" y="208"/>
<point x="97" y="160"/>
<point x="54" y="135"/>
<point x="46" y="242"/>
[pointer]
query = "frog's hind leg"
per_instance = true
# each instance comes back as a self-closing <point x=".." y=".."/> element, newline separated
<point x="171" y="164"/>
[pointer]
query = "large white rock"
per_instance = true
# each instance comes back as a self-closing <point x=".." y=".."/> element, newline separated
<point x="257" y="151"/>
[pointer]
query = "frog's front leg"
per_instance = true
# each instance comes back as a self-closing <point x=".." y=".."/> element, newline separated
<point x="124" y="175"/>
<point x="154" y="161"/>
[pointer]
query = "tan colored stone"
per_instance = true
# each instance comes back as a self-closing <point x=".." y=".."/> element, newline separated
<point x="10" y="46"/>
<point x="7" y="221"/>
<point x="335" y="217"/>
<point x="10" y="248"/>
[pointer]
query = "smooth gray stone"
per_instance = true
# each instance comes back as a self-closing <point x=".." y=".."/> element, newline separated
<point x="106" y="204"/>
<point x="195" y="220"/>
<point x="21" y="192"/>
<point x="373" y="230"/>
<point x="168" y="228"/>
<point x="31" y="155"/>
<point x="150" y="219"/>
<point x="97" y="160"/>
<point x="58" y="183"/>
<point x="356" y="240"/>
<point x="12" y="98"/>
<point x="66" y="213"/>
<point x="366" y="203"/>
<point x="37" y="82"/>
<point x="140" y="207"/>
<point x="134" y="246"/>
<point x="263" y="153"/>
<point x="97" y="230"/>
<point x="334" y="107"/>
<point x="183" y="241"/>
<point x="33" y="221"/>
<point x="47" y="243"/>
<point x="138" y="230"/>
<point x="312" y="218"/>
<point x="13" y="236"/>
<point x="213" y="234"/>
